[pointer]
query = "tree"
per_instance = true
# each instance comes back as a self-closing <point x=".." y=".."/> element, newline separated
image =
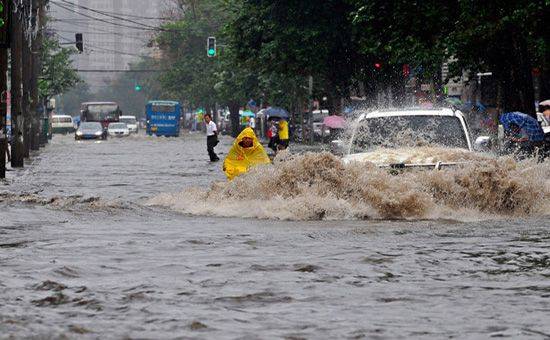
<point x="58" y="74"/>
<point x="507" y="38"/>
<point x="191" y="76"/>
<point x="393" y="33"/>
<point x="295" y="39"/>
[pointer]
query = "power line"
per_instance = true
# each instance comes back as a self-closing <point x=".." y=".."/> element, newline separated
<point x="87" y="26"/>
<point x="117" y="71"/>
<point x="112" y="13"/>
<point x="103" y="33"/>
<point x="145" y="28"/>
<point x="93" y="47"/>
<point x="104" y="13"/>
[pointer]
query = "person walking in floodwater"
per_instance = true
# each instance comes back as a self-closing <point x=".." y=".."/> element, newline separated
<point x="211" y="137"/>
<point x="272" y="136"/>
<point x="283" y="135"/>
<point x="246" y="152"/>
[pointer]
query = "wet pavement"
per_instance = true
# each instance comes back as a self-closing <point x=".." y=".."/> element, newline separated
<point x="82" y="255"/>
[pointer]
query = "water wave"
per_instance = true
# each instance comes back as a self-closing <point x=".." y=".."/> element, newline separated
<point x="317" y="186"/>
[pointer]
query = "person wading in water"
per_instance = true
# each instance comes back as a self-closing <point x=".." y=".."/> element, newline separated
<point x="211" y="137"/>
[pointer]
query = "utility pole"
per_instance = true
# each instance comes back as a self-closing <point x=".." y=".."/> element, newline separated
<point x="38" y="11"/>
<point x="4" y="44"/>
<point x="16" y="46"/>
<point x="25" y="102"/>
<point x="310" y="109"/>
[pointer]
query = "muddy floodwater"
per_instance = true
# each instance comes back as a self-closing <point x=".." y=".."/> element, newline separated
<point x="97" y="241"/>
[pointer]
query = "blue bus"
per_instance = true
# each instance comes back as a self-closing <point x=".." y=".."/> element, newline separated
<point x="163" y="118"/>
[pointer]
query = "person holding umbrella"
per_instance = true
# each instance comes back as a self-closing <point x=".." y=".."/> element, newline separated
<point x="524" y="135"/>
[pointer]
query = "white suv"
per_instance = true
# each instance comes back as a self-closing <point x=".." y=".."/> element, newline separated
<point x="389" y="137"/>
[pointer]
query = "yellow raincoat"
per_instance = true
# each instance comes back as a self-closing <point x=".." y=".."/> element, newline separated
<point x="239" y="160"/>
<point x="283" y="129"/>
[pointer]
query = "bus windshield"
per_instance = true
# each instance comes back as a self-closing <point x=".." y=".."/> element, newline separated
<point x="101" y="112"/>
<point x="163" y="108"/>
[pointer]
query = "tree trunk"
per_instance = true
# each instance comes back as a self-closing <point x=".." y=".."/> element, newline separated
<point x="26" y="104"/>
<point x="17" y="151"/>
<point x="519" y="93"/>
<point x="235" y="119"/>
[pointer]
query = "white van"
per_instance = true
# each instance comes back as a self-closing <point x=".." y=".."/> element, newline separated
<point x="62" y="124"/>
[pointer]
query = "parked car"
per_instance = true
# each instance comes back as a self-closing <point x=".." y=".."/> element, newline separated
<point x="62" y="124"/>
<point x="131" y="122"/>
<point x="118" y="130"/>
<point x="90" y="130"/>
<point x="395" y="138"/>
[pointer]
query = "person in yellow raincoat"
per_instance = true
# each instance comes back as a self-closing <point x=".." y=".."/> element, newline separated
<point x="245" y="153"/>
<point x="283" y="135"/>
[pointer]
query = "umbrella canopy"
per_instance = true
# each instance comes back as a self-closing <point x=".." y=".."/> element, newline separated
<point x="276" y="112"/>
<point x="545" y="102"/>
<point x="334" y="122"/>
<point x="453" y="101"/>
<point x="247" y="114"/>
<point x="529" y="124"/>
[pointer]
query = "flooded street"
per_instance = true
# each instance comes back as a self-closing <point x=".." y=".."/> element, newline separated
<point x="83" y="254"/>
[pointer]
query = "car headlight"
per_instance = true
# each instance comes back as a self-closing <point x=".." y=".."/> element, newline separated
<point x="79" y="133"/>
<point x="98" y="133"/>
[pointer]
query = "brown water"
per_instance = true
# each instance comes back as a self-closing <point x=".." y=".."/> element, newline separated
<point x="84" y="254"/>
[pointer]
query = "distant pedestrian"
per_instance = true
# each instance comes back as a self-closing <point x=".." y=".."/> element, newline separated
<point x="272" y="136"/>
<point x="211" y="137"/>
<point x="283" y="135"/>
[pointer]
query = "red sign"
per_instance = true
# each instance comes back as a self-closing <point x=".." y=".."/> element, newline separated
<point x="406" y="70"/>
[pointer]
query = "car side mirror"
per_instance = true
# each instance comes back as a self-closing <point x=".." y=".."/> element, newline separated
<point x="482" y="143"/>
<point x="337" y="147"/>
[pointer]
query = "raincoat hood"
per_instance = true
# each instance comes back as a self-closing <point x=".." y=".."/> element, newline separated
<point x="239" y="160"/>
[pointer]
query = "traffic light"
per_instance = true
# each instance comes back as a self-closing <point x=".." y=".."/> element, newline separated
<point x="79" y="43"/>
<point x="378" y="65"/>
<point x="137" y="87"/>
<point x="2" y="21"/>
<point x="4" y="36"/>
<point x="211" y="47"/>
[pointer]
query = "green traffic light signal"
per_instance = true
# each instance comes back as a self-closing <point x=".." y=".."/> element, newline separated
<point x="137" y="88"/>
<point x="1" y="13"/>
<point x="211" y="47"/>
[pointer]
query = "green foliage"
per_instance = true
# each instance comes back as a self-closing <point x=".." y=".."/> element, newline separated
<point x="507" y="38"/>
<point x="294" y="39"/>
<point x="58" y="74"/>
<point x="192" y="75"/>
<point x="70" y="100"/>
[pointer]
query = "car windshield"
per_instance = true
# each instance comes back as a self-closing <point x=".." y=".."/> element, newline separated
<point x="90" y="126"/>
<point x="117" y="126"/>
<point x="409" y="131"/>
<point x="128" y="120"/>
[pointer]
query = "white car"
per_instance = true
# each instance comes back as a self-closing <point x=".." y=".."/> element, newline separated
<point x="118" y="130"/>
<point x="131" y="122"/>
<point x="411" y="137"/>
